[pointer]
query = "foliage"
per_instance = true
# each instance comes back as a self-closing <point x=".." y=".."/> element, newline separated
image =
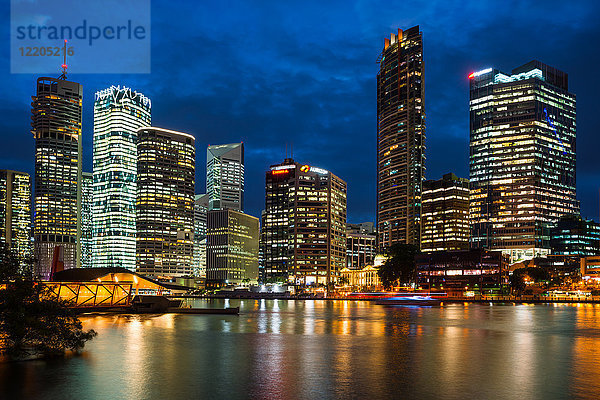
<point x="31" y="322"/>
<point x="400" y="265"/>
<point x="343" y="281"/>
<point x="534" y="274"/>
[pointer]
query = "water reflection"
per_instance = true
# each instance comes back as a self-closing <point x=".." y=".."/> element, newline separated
<point x="328" y="349"/>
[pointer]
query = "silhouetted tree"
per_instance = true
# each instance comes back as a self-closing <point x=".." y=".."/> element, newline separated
<point x="535" y="274"/>
<point x="400" y="265"/>
<point x="342" y="281"/>
<point x="31" y="322"/>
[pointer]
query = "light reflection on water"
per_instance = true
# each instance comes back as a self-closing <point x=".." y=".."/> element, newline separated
<point x="328" y="349"/>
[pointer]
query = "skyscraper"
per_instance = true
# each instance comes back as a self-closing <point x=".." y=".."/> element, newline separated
<point x="15" y="211"/>
<point x="522" y="162"/>
<point x="225" y="176"/>
<point x="231" y="248"/>
<point x="304" y="227"/>
<point x="118" y="113"/>
<point x="165" y="202"/>
<point x="400" y="138"/>
<point x="87" y="204"/>
<point x="56" y="127"/>
<point x="445" y="214"/>
<point x="200" y="211"/>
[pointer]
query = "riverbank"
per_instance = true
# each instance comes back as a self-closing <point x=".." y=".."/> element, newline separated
<point x="529" y="299"/>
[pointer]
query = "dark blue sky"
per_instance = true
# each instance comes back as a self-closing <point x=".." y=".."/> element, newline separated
<point x="267" y="73"/>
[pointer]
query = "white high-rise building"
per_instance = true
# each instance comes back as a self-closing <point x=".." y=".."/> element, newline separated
<point x="118" y="113"/>
<point x="225" y="176"/>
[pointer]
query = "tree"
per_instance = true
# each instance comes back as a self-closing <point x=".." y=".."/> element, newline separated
<point x="343" y="281"/>
<point x="400" y="265"/>
<point x="534" y="274"/>
<point x="32" y="323"/>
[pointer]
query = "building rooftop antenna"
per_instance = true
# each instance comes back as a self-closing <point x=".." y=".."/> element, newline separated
<point x="64" y="65"/>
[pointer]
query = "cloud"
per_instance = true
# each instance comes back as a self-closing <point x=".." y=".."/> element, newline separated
<point x="272" y="72"/>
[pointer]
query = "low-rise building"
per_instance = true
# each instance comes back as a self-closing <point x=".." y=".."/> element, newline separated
<point x="454" y="272"/>
<point x="139" y="284"/>
<point x="561" y="268"/>
<point x="365" y="278"/>
<point x="590" y="268"/>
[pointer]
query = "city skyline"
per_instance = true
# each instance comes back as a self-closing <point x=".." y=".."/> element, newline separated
<point x="275" y="200"/>
<point x="317" y="122"/>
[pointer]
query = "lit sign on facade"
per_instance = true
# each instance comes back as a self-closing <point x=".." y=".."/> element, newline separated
<point x="478" y="73"/>
<point x="318" y="170"/>
<point x="282" y="167"/>
<point x="118" y="93"/>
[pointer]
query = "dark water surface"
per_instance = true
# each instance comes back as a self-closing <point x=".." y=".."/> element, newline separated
<point x="279" y="349"/>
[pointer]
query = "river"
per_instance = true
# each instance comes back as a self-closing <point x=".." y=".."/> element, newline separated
<point x="317" y="349"/>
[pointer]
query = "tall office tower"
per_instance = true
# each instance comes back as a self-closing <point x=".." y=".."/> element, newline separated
<point x="400" y="138"/>
<point x="200" y="210"/>
<point x="361" y="245"/>
<point x="231" y="248"/>
<point x="15" y="211"/>
<point x="118" y="113"/>
<point x="225" y="176"/>
<point x="304" y="225"/>
<point x="165" y="202"/>
<point x="56" y="127"/>
<point x="445" y="214"/>
<point x="87" y="204"/>
<point x="522" y="162"/>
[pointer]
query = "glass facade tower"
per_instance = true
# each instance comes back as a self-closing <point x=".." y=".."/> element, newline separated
<point x="56" y="127"/>
<point x="400" y="138"/>
<point x="118" y="113"/>
<point x="522" y="158"/>
<point x="225" y="176"/>
<point x="165" y="202"/>
<point x="574" y="235"/>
